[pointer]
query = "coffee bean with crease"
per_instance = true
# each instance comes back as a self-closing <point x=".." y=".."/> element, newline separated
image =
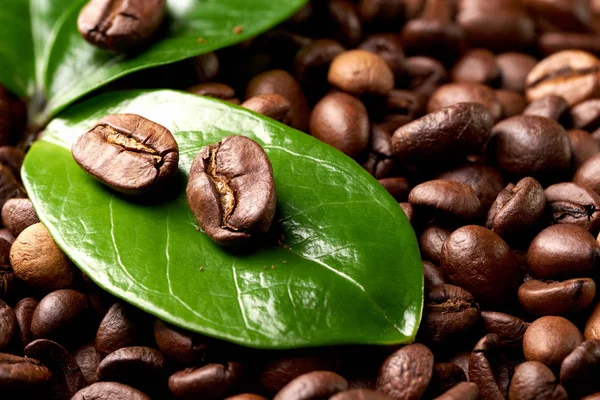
<point x="138" y="366"/>
<point x="24" y="310"/>
<point x="572" y="74"/>
<point x="88" y="359"/>
<point x="583" y="147"/>
<point x="210" y="382"/>
<point x="533" y="380"/>
<point x="406" y="373"/>
<point x="446" y="201"/>
<point x="489" y="369"/>
<point x="128" y="152"/>
<point x="216" y="90"/>
<point x="550" y="339"/>
<point x="109" y="390"/>
<point x="180" y="345"/>
<point x="509" y="329"/>
<point x="431" y="241"/>
<point x="453" y="93"/>
<point x="550" y="106"/>
<point x="122" y="326"/>
<point x="569" y="203"/>
<point x="313" y="385"/>
<point x="380" y="162"/>
<point x="231" y="190"/>
<point x="579" y="370"/>
<point x="542" y="298"/>
<point x="22" y="376"/>
<point x="486" y="181"/>
<point x="120" y="26"/>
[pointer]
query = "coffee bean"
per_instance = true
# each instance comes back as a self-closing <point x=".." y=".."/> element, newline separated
<point x="118" y="26"/>
<point x="311" y="64"/>
<point x="128" y="153"/>
<point x="404" y="103"/>
<point x="550" y="339"/>
<point x="18" y="214"/>
<point x="109" y="390"/>
<point x="270" y="105"/>
<point x="231" y="190"/>
<point x="462" y="361"/>
<point x="480" y="262"/>
<point x="408" y="210"/>
<point x="8" y="324"/>
<point x="477" y="66"/>
<point x="88" y="359"/>
<point x="462" y="391"/>
<point x="553" y="42"/>
<point x="431" y="242"/>
<point x="568" y="203"/>
<point x="579" y="370"/>
<point x="18" y="373"/>
<point x="10" y="181"/>
<point x="571" y="16"/>
<point x="514" y="68"/>
<point x="592" y="325"/>
<point x="446" y="200"/>
<point x="423" y="75"/>
<point x="246" y="396"/>
<point x="583" y="147"/>
<point x="562" y="251"/>
<point x="341" y="121"/>
<point x="388" y="46"/>
<point x="398" y="187"/>
<point x="8" y="282"/>
<point x="213" y="381"/>
<point x="489" y="369"/>
<point x="120" y="327"/>
<point x="541" y="298"/>
<point x="586" y="115"/>
<point x="360" y="72"/>
<point x="445" y="376"/>
<point x="432" y="275"/>
<point x="138" y="366"/>
<point x="57" y="314"/>
<point x="360" y="394"/>
<point x="572" y="74"/>
<point x="448" y="314"/>
<point x="588" y="174"/>
<point x="344" y="23"/>
<point x="406" y="373"/>
<point x="206" y="66"/>
<point x="454" y="93"/>
<point x="533" y="380"/>
<point x="24" y="311"/>
<point x="512" y="103"/>
<point x="180" y="345"/>
<point x="66" y="375"/>
<point x="215" y="90"/>
<point x="313" y="386"/>
<point x="381" y="13"/>
<point x="509" y="329"/>
<point x="444" y="136"/>
<point x="550" y="106"/>
<point x="486" y="181"/>
<point x="529" y="146"/>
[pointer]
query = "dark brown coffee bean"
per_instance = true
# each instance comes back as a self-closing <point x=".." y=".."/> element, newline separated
<point x="403" y="102"/>
<point x="408" y="210"/>
<point x="562" y="251"/>
<point x="533" y="380"/>
<point x="8" y="324"/>
<point x="579" y="370"/>
<point x="381" y="13"/>
<point x="571" y="16"/>
<point x="462" y="391"/>
<point x="282" y="83"/>
<point x="432" y="275"/>
<point x="476" y="66"/>
<point x="211" y="382"/>
<point x="550" y="106"/>
<point x="431" y="242"/>
<point x="572" y="74"/>
<point x="312" y="62"/>
<point x="550" y="339"/>
<point x="568" y="203"/>
<point x="583" y="147"/>
<point x="313" y="386"/>
<point x="58" y="314"/>
<point x="361" y="394"/>
<point x="489" y="369"/>
<point x="10" y="184"/>
<point x="423" y="75"/>
<point x="449" y="313"/>
<point x="206" y="66"/>
<point x="24" y="310"/>
<point x="553" y="42"/>
<point x="592" y="326"/>
<point x="586" y="115"/>
<point x="120" y="26"/>
<point x="514" y="68"/>
<point x="120" y="327"/>
<point x="406" y="373"/>
<point x="18" y="214"/>
<point x="444" y="136"/>
<point x="231" y="190"/>
<point x="138" y="366"/>
<point x="542" y="298"/>
<point x="486" y="181"/>
<point x="109" y="390"/>
<point x="529" y="145"/>
<point x="21" y="373"/>
<point x="462" y="360"/>
<point x="453" y="93"/>
<point x="588" y="174"/>
<point x="398" y="188"/>
<point x="388" y="46"/>
<point x="182" y="346"/>
<point x="66" y="375"/>
<point x="8" y="283"/>
<point x="517" y="209"/>
<point x="512" y="103"/>
<point x="360" y="72"/>
<point x="127" y="152"/>
<point x="509" y="329"/>
<point x="88" y="359"/>
<point x="345" y="25"/>
<point x="445" y="376"/>
<point x="341" y="121"/>
<point x="215" y="90"/>
<point x="480" y="262"/>
<point x="446" y="200"/>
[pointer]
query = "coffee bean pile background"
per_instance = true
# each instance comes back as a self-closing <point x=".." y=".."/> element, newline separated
<point x="482" y="118"/>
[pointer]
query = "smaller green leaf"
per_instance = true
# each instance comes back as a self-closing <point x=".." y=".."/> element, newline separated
<point x="345" y="270"/>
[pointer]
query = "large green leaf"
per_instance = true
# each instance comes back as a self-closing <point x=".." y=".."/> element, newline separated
<point x="45" y="59"/>
<point x="347" y="271"/>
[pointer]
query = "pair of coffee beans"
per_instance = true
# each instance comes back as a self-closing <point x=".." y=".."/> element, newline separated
<point x="231" y="190"/>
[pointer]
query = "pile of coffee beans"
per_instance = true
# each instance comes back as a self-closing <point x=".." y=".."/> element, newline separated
<point x="481" y="118"/>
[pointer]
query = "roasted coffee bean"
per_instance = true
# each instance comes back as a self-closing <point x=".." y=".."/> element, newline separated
<point x="59" y="313"/>
<point x="270" y="105"/>
<point x="528" y="145"/>
<point x="282" y="83"/>
<point x="231" y="190"/>
<point x="206" y="65"/>
<point x="592" y="326"/>
<point x="120" y="26"/>
<point x="10" y="182"/>
<point x="541" y="298"/>
<point x="88" y="359"/>
<point x="246" y="396"/>
<point x="446" y="200"/>
<point x="109" y="390"/>
<point x="514" y="68"/>
<point x="8" y="282"/>
<point x="381" y="13"/>
<point x="553" y="42"/>
<point x="313" y="386"/>
<point x="408" y="210"/>
<point x="449" y="313"/>
<point x="215" y="90"/>
<point x="345" y="25"/>
<point x="180" y="345"/>
<point x="361" y="394"/>
<point x="583" y="147"/>
<point x="8" y="324"/>
<point x="462" y="361"/>
<point x="388" y="46"/>
<point x="445" y="376"/>
<point x="550" y="339"/>
<point x="18" y="214"/>
<point x="24" y="311"/>
<point x="341" y="121"/>
<point x="512" y="103"/>
<point x="489" y="369"/>
<point x="361" y="72"/>
<point x="432" y="275"/>
<point x="562" y="251"/>
<point x="18" y="373"/>
<point x="550" y="106"/>
<point x="571" y="16"/>
<point x="444" y="136"/>
<point x="509" y="329"/>
<point x="586" y="115"/>
<point x="588" y="174"/>
<point x="572" y="74"/>
<point x="211" y="382"/>
<point x="533" y="380"/>
<point x="423" y="75"/>
<point x="477" y="66"/>
<point x="398" y="188"/>
<point x="311" y="63"/>
<point x="120" y="327"/>
<point x="128" y="152"/>
<point x="579" y="370"/>
<point x="569" y="203"/>
<point x="406" y="373"/>
<point x="479" y="261"/>
<point x="454" y="93"/>
<point x="486" y="181"/>
<point x="462" y="391"/>
<point x="66" y="375"/>
<point x="431" y="242"/>
<point x="404" y="102"/>
<point x="138" y="366"/>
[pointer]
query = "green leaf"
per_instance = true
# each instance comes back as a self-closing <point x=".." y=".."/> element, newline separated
<point x="44" y="58"/>
<point x="347" y="271"/>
